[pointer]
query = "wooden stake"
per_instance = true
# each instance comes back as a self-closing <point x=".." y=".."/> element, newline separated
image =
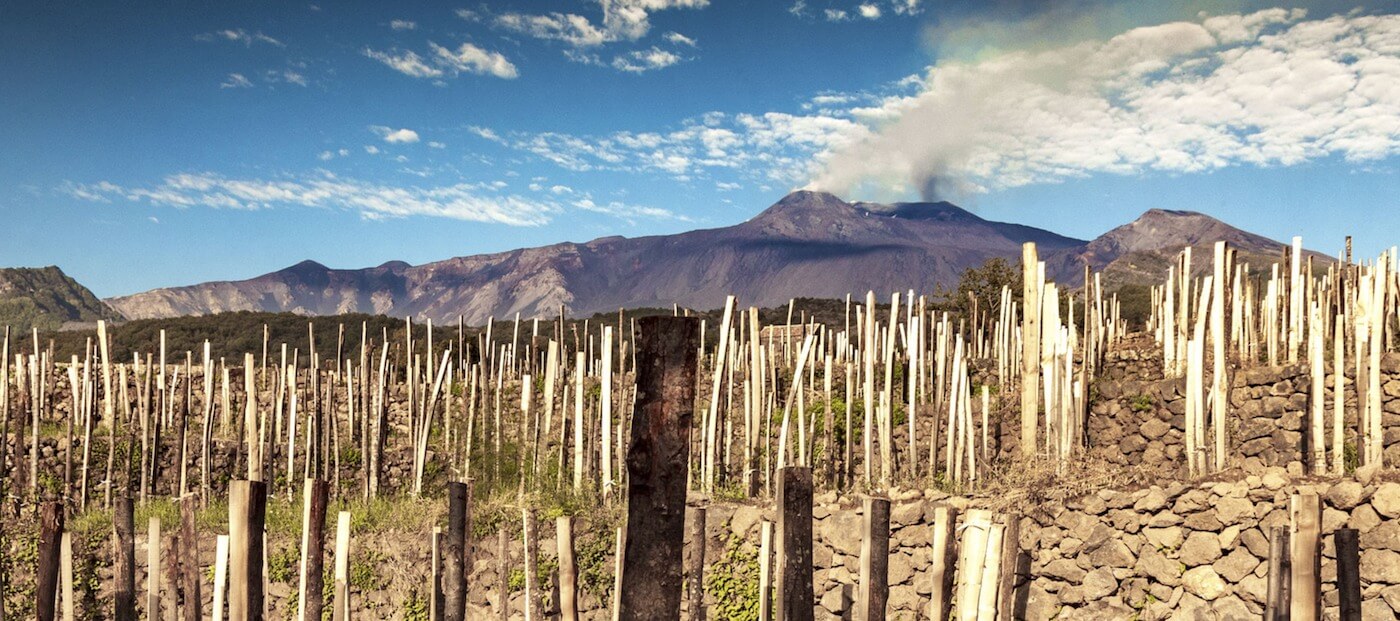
<point x="123" y="561"/>
<point x="568" y="573"/>
<point x="657" y="466"/>
<point x="874" y="560"/>
<point x="941" y="571"/>
<point x="794" y="508"/>
<point x="695" y="564"/>
<point x="311" y="597"/>
<point x="1305" y="560"/>
<point x="341" y="607"/>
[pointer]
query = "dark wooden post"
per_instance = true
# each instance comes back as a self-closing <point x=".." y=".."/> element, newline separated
<point x="315" y="495"/>
<point x="1276" y="602"/>
<point x="656" y="467"/>
<point x="1010" y="558"/>
<point x="695" y="564"/>
<point x="170" y="563"/>
<point x="247" y="518"/>
<point x="454" y="577"/>
<point x="1348" y="573"/>
<point x="794" y="500"/>
<point x="189" y="557"/>
<point x="123" y="560"/>
<point x="874" y="560"/>
<point x="46" y="582"/>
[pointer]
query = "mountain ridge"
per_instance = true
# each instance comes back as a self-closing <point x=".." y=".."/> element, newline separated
<point x="807" y="244"/>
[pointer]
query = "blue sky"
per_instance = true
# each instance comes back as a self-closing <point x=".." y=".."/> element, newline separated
<point x="161" y="144"/>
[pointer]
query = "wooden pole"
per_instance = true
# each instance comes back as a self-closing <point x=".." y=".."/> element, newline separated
<point x="454" y="569"/>
<point x="1305" y="557"/>
<point x="568" y="572"/>
<point x="533" y="608"/>
<point x="1030" y="347"/>
<point x="247" y="516"/>
<point x="765" y="571"/>
<point x="1010" y="558"/>
<point x="874" y="560"/>
<point x="65" y="574"/>
<point x="941" y="572"/>
<point x="1348" y="574"/>
<point x="46" y="580"/>
<point x="1276" y="601"/>
<point x="503" y="574"/>
<point x="794" y="509"/>
<point x="974" y="550"/>
<point x="153" y="570"/>
<point x="123" y="561"/>
<point x="220" y="576"/>
<point x="695" y="564"/>
<point x="341" y="608"/>
<point x="189" y="558"/>
<point x="657" y="465"/>
<point x="315" y="493"/>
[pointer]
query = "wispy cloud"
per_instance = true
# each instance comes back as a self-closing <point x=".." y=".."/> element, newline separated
<point x="236" y="80"/>
<point x="622" y="20"/>
<point x="403" y="24"/>
<point x="1262" y="89"/>
<point x="475" y="202"/>
<point x="406" y="62"/>
<point x="679" y="39"/>
<point x="641" y="61"/>
<point x="239" y="35"/>
<point x="466" y="201"/>
<point x="466" y="58"/>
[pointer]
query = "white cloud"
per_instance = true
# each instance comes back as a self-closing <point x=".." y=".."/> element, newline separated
<point x="286" y="75"/>
<point x="371" y="149"/>
<point x="467" y="58"/>
<point x="485" y="132"/>
<point x="641" y="61"/>
<point x="239" y="35"/>
<point x="836" y="15"/>
<point x="622" y="20"/>
<point x="408" y="63"/>
<point x="869" y="11"/>
<point x="468" y="14"/>
<point x="398" y="136"/>
<point x="403" y="24"/>
<point x="679" y="39"/>
<point x="1263" y="89"/>
<point x="475" y="202"/>
<point x="325" y="155"/>
<point x="437" y="145"/>
<point x="472" y="59"/>
<point x="236" y="80"/>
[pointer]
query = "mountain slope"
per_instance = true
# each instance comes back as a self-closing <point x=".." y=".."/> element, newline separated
<point x="1141" y="251"/>
<point x="808" y="244"/>
<point x="46" y="298"/>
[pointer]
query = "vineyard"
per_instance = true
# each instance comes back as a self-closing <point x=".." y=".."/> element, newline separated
<point x="1028" y="452"/>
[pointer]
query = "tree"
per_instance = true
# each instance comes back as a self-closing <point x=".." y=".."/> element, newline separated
<point x="984" y="284"/>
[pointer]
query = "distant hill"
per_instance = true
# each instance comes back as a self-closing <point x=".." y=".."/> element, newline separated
<point x="809" y="244"/>
<point x="47" y="299"/>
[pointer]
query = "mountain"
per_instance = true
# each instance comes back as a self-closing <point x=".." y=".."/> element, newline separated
<point x="47" y="299"/>
<point x="1141" y="251"/>
<point x="807" y="244"/>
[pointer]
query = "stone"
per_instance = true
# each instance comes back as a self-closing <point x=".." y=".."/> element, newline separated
<point x="1386" y="500"/>
<point x="1230" y="607"/>
<point x="1200" y="549"/>
<point x="1153" y="429"/>
<point x="901" y="569"/>
<point x="1169" y="537"/>
<point x="1391" y="595"/>
<point x="1380" y="566"/>
<point x="1363" y="518"/>
<point x="1376" y="610"/>
<point x="1367" y="473"/>
<point x="1154" y="500"/>
<point x="1255" y="541"/>
<point x="1274" y="479"/>
<point x="1386" y="535"/>
<point x="1112" y="554"/>
<point x="1253" y="588"/>
<point x="1093" y="505"/>
<point x="1203" y="582"/>
<point x="1345" y="495"/>
<point x="1233" y="510"/>
<point x="907" y="513"/>
<point x="1063" y="569"/>
<point x="1203" y="521"/>
<point x="1236" y="565"/>
<point x="835" y="601"/>
<point x="743" y="520"/>
<point x="1165" y="518"/>
<point x="1160" y="568"/>
<point x="1098" y="584"/>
